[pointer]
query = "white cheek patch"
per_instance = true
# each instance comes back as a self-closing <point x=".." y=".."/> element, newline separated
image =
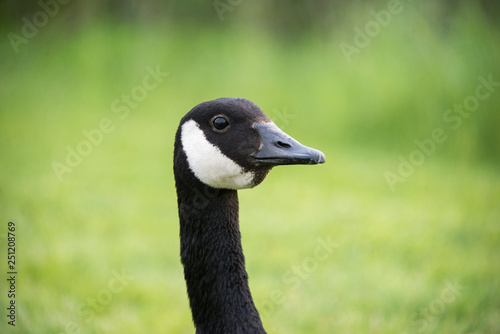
<point x="209" y="164"/>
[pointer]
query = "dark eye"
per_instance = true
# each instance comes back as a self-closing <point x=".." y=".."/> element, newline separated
<point x="220" y="123"/>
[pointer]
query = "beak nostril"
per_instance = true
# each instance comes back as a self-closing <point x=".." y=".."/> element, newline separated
<point x="283" y="145"/>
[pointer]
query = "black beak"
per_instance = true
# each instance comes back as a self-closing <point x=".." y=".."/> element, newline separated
<point x="278" y="148"/>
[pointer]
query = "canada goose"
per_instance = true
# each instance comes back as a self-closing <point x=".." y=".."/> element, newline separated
<point x="221" y="146"/>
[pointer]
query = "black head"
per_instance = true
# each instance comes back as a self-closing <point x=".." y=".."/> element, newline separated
<point x="230" y="143"/>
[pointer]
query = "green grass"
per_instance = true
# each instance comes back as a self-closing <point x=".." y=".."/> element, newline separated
<point x="116" y="211"/>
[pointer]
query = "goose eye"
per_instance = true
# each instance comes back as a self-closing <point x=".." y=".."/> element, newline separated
<point x="220" y="123"/>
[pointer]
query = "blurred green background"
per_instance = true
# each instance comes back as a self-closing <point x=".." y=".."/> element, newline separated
<point x="402" y="96"/>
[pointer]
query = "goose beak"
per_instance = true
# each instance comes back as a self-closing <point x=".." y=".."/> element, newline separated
<point x="278" y="148"/>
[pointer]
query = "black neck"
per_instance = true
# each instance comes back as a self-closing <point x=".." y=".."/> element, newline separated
<point x="214" y="265"/>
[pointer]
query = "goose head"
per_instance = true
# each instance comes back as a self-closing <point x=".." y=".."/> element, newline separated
<point x="229" y="143"/>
